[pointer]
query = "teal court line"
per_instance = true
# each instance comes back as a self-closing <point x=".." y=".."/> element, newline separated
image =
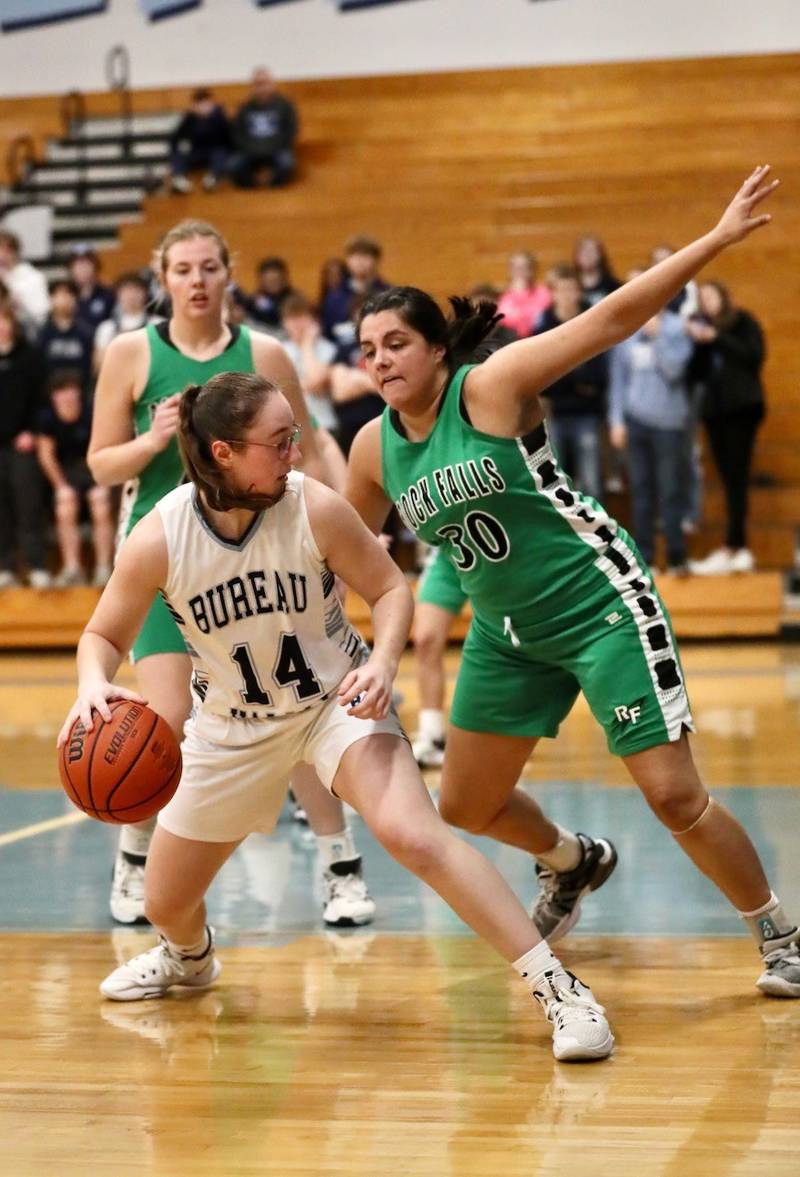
<point x="58" y="880"/>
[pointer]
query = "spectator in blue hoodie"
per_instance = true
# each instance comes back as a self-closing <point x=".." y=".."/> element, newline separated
<point x="649" y="416"/>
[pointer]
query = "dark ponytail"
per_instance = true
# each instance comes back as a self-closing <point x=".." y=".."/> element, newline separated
<point x="461" y="335"/>
<point x="220" y="410"/>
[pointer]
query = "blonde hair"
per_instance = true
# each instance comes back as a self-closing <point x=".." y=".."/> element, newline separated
<point x="185" y="231"/>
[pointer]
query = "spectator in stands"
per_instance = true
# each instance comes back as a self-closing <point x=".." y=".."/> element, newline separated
<point x="128" y="313"/>
<point x="355" y="398"/>
<point x="264" y="133"/>
<point x="64" y="341"/>
<point x="578" y="400"/>
<point x="312" y="355"/>
<point x="524" y="299"/>
<point x="730" y="356"/>
<point x="202" y="139"/>
<point x="21" y="502"/>
<point x="333" y="274"/>
<point x="685" y="301"/>
<point x="25" y="284"/>
<point x="362" y="256"/>
<point x="594" y="269"/>
<point x="95" y="301"/>
<point x="648" y="416"/>
<point x="64" y="427"/>
<point x="263" y="306"/>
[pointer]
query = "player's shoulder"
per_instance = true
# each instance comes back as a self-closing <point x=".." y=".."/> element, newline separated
<point x="128" y="344"/>
<point x="365" y="451"/>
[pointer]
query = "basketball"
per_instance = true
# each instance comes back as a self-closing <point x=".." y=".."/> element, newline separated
<point x="122" y="771"/>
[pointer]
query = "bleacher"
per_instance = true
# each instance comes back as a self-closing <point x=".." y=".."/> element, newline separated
<point x="453" y="171"/>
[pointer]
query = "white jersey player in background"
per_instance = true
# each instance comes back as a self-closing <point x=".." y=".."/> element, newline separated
<point x="246" y="556"/>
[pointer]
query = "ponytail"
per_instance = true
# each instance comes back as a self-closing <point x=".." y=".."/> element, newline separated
<point x="221" y="410"/>
<point x="461" y="336"/>
<point x="468" y="329"/>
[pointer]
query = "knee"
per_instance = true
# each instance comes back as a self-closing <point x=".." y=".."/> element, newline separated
<point x="99" y="503"/>
<point x="160" y="911"/>
<point x="676" y="804"/>
<point x="458" y="812"/>
<point x="428" y="644"/>
<point x="418" y="850"/>
<point x="66" y="504"/>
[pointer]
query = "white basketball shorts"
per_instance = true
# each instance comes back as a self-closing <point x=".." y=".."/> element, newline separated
<point x="229" y="790"/>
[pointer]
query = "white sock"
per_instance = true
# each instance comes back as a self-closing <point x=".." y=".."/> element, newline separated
<point x="431" y="723"/>
<point x="536" y="962"/>
<point x="336" y="848"/>
<point x="565" y="855"/>
<point x="191" y="950"/>
<point x="769" y="922"/>
<point x="135" y="840"/>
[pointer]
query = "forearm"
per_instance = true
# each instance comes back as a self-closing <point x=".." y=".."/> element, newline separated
<point x="52" y="471"/>
<point x="98" y="658"/>
<point x="630" y="307"/>
<point x="114" y="464"/>
<point x="391" y="624"/>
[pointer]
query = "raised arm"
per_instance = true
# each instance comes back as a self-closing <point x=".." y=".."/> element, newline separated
<point x="524" y="368"/>
<point x="355" y="555"/>
<point x="140" y="569"/>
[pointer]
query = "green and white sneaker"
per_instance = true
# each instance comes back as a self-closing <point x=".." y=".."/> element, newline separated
<point x="558" y="905"/>
<point x="781" y="976"/>
<point x="152" y="973"/>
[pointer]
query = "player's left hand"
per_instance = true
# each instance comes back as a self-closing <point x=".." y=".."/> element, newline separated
<point x="738" y="221"/>
<point x="367" y="691"/>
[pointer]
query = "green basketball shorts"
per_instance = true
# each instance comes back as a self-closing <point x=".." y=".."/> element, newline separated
<point x="439" y="584"/>
<point x="159" y="634"/>
<point x="625" y="661"/>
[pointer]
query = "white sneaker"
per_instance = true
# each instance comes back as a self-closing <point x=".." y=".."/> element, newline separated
<point x="181" y="184"/>
<point x="428" y="753"/>
<point x="781" y="977"/>
<point x="580" y="1029"/>
<point x="210" y="182"/>
<point x="127" y="890"/>
<point x="8" y="579"/>
<point x="347" y="902"/>
<point x="69" y="578"/>
<point x="717" y="563"/>
<point x="743" y="560"/>
<point x="101" y="576"/>
<point x="40" y="578"/>
<point x="152" y="973"/>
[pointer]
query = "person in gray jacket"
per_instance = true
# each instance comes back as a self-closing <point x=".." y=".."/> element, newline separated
<point x="649" y="416"/>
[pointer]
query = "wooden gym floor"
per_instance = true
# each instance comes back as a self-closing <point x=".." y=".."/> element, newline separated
<point x="407" y="1046"/>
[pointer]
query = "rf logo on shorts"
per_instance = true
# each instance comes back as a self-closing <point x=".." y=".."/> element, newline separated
<point x="629" y="714"/>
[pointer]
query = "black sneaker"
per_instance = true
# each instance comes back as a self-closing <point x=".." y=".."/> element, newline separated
<point x="781" y="976"/>
<point x="558" y="906"/>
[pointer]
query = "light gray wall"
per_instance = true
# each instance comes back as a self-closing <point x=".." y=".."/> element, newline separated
<point x="223" y="39"/>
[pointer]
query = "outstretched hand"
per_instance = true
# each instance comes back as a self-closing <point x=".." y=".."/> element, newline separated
<point x="738" y="221"/>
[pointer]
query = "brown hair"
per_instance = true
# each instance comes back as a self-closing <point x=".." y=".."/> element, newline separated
<point x="220" y="410"/>
<point x="727" y="311"/>
<point x="361" y="243"/>
<point x="295" y="304"/>
<point x="562" y="271"/>
<point x="185" y="231"/>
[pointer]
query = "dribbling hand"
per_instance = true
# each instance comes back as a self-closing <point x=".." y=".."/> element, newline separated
<point x="94" y="698"/>
<point x="738" y="221"/>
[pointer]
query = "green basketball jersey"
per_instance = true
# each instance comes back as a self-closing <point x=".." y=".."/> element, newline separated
<point x="170" y="371"/>
<point x="531" y="552"/>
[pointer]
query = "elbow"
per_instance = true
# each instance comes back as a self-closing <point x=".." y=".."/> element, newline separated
<point x="98" y="470"/>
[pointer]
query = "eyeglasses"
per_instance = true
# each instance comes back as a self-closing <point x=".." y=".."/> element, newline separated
<point x="284" y="447"/>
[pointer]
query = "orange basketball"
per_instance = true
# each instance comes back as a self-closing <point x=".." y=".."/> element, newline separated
<point x="122" y="771"/>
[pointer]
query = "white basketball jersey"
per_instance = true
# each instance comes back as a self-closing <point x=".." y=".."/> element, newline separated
<point x="262" y="622"/>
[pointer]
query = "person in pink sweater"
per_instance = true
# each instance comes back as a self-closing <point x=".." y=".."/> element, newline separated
<point x="525" y="298"/>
